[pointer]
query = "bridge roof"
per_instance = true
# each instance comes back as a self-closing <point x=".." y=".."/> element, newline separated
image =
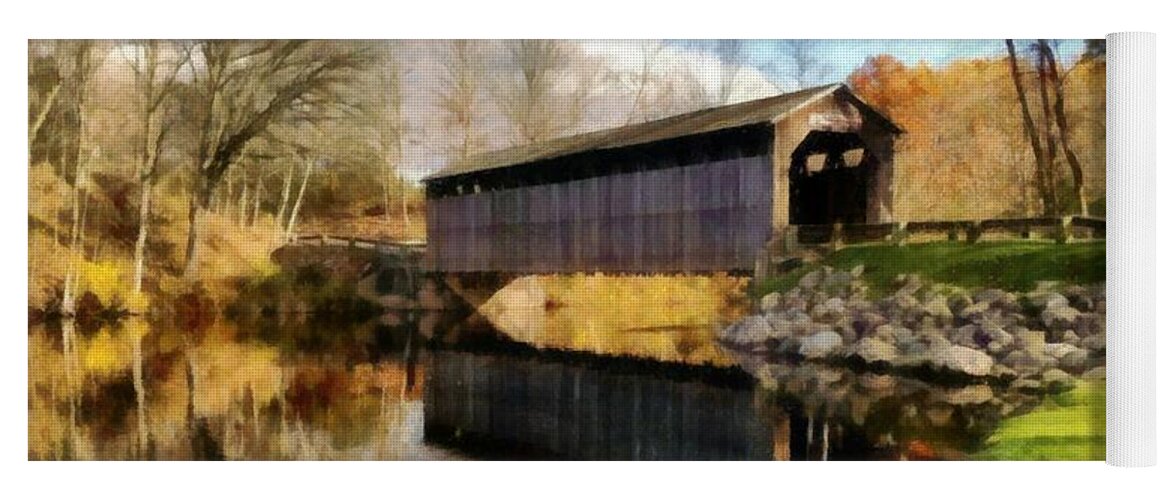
<point x="770" y="109"/>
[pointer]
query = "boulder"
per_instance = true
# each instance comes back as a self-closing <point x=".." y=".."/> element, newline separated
<point x="974" y="311"/>
<point x="872" y="350"/>
<point x="820" y="345"/>
<point x="750" y="330"/>
<point x="1075" y="361"/>
<point x="770" y="302"/>
<point x="832" y="309"/>
<point x="970" y="395"/>
<point x="961" y="359"/>
<point x="811" y="279"/>
<point x="1059" y="316"/>
<point x="1030" y="340"/>
<point x="1059" y="350"/>
<point x="1097" y="373"/>
<point x="1027" y="386"/>
<point x="1056" y="380"/>
<point x="938" y="308"/>
<point x="1093" y="342"/>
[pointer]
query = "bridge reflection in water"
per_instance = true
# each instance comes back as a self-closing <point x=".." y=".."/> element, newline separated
<point x="569" y="406"/>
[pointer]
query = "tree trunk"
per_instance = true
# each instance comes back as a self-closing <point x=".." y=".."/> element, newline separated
<point x="255" y="206"/>
<point x="1031" y="131"/>
<point x="35" y="128"/>
<point x="140" y="394"/>
<point x="1075" y="165"/>
<point x="291" y="228"/>
<point x="242" y="206"/>
<point x="386" y="201"/>
<point x="143" y="225"/>
<point x="196" y="213"/>
<point x="1050" y="136"/>
<point x="280" y="215"/>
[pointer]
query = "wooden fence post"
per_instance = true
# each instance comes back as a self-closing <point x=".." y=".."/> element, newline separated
<point x="1063" y="229"/>
<point x="900" y="234"/>
<point x="836" y="238"/>
<point x="974" y="231"/>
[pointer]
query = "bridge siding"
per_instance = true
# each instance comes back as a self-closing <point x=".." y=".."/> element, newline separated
<point x="702" y="217"/>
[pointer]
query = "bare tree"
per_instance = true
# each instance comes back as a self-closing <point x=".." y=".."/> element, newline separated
<point x="1052" y="73"/>
<point x="459" y="97"/>
<point x="388" y="122"/>
<point x="640" y="84"/>
<point x="156" y="66"/>
<point x="243" y="87"/>
<point x="541" y="98"/>
<point x="730" y="54"/>
<point x="1044" y="161"/>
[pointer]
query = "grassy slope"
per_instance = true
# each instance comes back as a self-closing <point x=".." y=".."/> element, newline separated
<point x="1068" y="426"/>
<point x="1009" y="265"/>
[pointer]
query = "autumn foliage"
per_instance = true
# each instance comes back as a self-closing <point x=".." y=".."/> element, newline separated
<point x="965" y="154"/>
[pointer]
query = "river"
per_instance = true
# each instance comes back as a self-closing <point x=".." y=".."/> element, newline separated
<point x="420" y="385"/>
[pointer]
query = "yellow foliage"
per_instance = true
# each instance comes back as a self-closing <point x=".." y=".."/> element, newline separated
<point x="104" y="278"/>
<point x="107" y="354"/>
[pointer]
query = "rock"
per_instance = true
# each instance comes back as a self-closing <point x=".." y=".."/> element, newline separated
<point x="971" y="312"/>
<point x="958" y="302"/>
<point x="1059" y="316"/>
<point x="1098" y="373"/>
<point x="873" y="350"/>
<point x="1045" y="299"/>
<point x="1074" y="361"/>
<point x="1029" y="362"/>
<point x="961" y="359"/>
<point x="770" y="302"/>
<point x="830" y="309"/>
<point x="939" y="415"/>
<point x="1093" y="342"/>
<point x="867" y="323"/>
<point x="1059" y="350"/>
<point x="1027" y="386"/>
<point x="858" y="270"/>
<point x="1070" y="337"/>
<point x="1089" y="324"/>
<point x="837" y="282"/>
<point x="1030" y="340"/>
<point x="1004" y="372"/>
<point x="750" y="330"/>
<point x="1056" y="380"/>
<point x="811" y="280"/>
<point x="910" y="285"/>
<point x="788" y="323"/>
<point x="820" y="345"/>
<point x="938" y="308"/>
<point x="993" y="296"/>
<point x="970" y="395"/>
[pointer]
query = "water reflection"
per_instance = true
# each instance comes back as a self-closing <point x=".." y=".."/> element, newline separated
<point x="417" y="384"/>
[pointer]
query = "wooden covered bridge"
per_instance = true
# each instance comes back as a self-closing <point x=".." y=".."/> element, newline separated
<point x="704" y="191"/>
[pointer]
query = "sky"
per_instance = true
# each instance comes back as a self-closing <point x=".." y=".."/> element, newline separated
<point x="839" y="57"/>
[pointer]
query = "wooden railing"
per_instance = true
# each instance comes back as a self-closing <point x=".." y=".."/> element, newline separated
<point x="384" y="246"/>
<point x="1059" y="229"/>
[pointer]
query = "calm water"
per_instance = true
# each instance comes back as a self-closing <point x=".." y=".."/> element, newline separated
<point x="415" y="385"/>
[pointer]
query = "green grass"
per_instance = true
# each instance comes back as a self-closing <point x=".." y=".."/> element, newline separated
<point x="1069" y="426"/>
<point x="1008" y="265"/>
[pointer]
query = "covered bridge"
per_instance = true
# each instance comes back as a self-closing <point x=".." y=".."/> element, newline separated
<point x="704" y="191"/>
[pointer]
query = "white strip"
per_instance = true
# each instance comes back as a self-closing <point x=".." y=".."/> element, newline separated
<point x="1130" y="236"/>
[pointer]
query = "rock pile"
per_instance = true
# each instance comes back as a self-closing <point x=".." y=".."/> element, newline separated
<point x="1037" y="341"/>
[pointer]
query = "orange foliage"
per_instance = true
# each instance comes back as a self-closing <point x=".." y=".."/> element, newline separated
<point x="964" y="154"/>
